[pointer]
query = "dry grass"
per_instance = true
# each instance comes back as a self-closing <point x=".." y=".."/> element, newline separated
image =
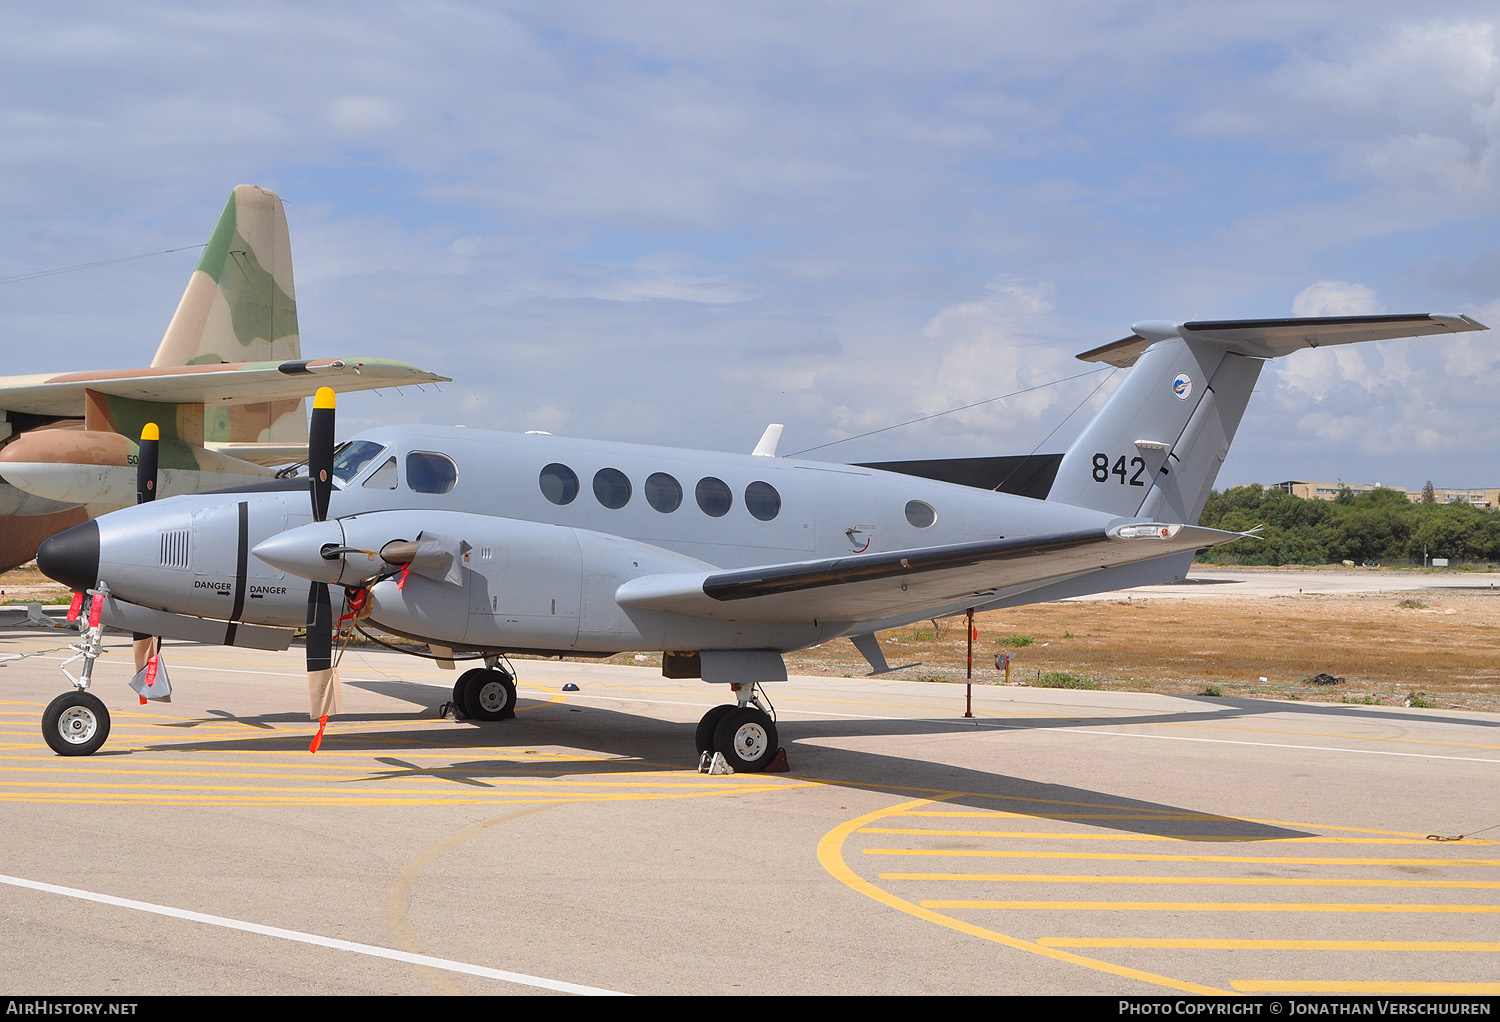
<point x="1385" y="646"/>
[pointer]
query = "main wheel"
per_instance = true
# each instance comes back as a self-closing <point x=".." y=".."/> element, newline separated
<point x="461" y="688"/>
<point x="747" y="738"/>
<point x="75" y="724"/>
<point x="491" y="696"/>
<point x="708" y="726"/>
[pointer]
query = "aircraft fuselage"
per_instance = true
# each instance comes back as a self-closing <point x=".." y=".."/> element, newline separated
<point x="553" y="528"/>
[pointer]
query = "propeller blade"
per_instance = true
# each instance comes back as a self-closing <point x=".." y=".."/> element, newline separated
<point x="145" y="464"/>
<point x="147" y="648"/>
<point x="320" y="452"/>
<point x="324" y="697"/>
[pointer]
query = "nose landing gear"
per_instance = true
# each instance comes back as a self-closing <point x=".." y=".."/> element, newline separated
<point x="76" y="723"/>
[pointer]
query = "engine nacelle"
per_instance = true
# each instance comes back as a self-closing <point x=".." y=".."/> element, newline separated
<point x="74" y="466"/>
<point x="484" y="582"/>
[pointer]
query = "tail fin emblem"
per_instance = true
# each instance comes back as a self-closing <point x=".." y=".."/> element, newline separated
<point x="1182" y="386"/>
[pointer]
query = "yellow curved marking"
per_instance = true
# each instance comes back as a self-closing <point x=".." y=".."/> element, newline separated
<point x="831" y="855"/>
<point x="398" y="898"/>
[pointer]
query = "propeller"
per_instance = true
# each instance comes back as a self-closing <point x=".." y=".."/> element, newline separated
<point x="324" y="697"/>
<point x="150" y="680"/>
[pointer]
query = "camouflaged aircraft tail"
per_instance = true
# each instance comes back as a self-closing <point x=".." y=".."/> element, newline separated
<point x="240" y="306"/>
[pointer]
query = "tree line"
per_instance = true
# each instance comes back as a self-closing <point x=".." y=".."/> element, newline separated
<point x="1376" y="525"/>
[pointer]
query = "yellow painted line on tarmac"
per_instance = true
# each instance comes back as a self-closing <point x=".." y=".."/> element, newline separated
<point x="989" y="814"/>
<point x="1248" y="944"/>
<point x="1040" y="878"/>
<point x="1199" y="838"/>
<point x="830" y="854"/>
<point x="1213" y="906"/>
<point x="1154" y="857"/>
<point x="514" y="781"/>
<point x="1357" y="986"/>
<point x="456" y="796"/>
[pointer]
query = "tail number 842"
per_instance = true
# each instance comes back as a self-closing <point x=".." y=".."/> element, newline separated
<point x="1125" y="473"/>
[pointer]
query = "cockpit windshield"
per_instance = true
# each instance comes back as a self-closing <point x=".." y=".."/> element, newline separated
<point x="350" y="458"/>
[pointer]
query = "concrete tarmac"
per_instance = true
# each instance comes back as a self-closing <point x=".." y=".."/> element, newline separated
<point x="1056" y="842"/>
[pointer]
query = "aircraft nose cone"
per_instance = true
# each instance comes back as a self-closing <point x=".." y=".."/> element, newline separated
<point x="72" y="557"/>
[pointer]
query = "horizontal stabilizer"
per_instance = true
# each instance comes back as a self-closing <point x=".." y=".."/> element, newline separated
<point x="1271" y="338"/>
<point x="230" y="383"/>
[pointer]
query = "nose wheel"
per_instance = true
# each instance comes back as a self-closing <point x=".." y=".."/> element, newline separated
<point x="75" y="724"/>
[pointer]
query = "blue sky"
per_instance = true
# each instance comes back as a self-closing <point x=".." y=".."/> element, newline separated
<point x="674" y="223"/>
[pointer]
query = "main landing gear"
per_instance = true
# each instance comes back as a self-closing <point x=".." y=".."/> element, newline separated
<point x="744" y="733"/>
<point x="486" y="693"/>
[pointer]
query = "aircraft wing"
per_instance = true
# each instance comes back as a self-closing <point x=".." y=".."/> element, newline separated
<point x="226" y="383"/>
<point x="1271" y="338"/>
<point x="871" y="587"/>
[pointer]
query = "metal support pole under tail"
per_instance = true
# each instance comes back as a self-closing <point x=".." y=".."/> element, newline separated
<point x="969" y="676"/>
<point x="91" y="634"/>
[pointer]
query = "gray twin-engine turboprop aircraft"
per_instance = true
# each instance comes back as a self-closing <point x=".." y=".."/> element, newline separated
<point x="495" y="543"/>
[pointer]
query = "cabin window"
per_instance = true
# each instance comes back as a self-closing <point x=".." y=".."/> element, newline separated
<point x="351" y="458"/>
<point x="920" y="513"/>
<point x="611" y="487"/>
<point x="384" y="477"/>
<point x="663" y="492"/>
<point x="762" y="501"/>
<point x="559" y="484"/>
<point x="428" y="472"/>
<point x="713" y="496"/>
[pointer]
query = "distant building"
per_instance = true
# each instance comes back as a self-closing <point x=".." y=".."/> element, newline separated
<point x="1484" y="498"/>
<point x="1322" y="491"/>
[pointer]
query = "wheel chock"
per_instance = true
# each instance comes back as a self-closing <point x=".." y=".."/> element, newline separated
<point x="779" y="765"/>
<point x="716" y="765"/>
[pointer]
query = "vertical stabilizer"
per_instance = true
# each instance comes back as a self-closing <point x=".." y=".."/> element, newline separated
<point x="1156" y="447"/>
<point x="240" y="306"/>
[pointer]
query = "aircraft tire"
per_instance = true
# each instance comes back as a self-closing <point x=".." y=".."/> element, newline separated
<point x="461" y="686"/>
<point x="709" y="726"/>
<point x="75" y="724"/>
<point x="491" y="696"/>
<point x="747" y="739"/>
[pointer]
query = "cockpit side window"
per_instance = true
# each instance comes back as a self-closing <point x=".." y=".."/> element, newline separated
<point x="429" y="472"/>
<point x="350" y="459"/>
<point x="384" y="477"/>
